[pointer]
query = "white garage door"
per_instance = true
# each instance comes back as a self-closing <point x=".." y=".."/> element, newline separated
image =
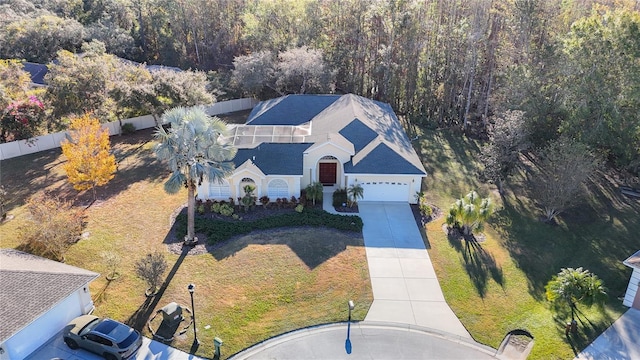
<point x="385" y="191"/>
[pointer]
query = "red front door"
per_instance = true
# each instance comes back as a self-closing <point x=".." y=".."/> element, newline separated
<point x="328" y="173"/>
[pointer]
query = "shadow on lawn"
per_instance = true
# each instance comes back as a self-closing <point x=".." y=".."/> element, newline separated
<point x="479" y="264"/>
<point x="26" y="175"/>
<point x="313" y="246"/>
<point x="587" y="329"/>
<point x="139" y="318"/>
<point x="597" y="235"/>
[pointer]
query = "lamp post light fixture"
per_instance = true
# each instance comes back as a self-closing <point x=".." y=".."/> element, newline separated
<point x="192" y="288"/>
<point x="347" y="343"/>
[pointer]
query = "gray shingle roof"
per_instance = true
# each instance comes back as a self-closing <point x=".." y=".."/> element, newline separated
<point x="382" y="160"/>
<point x="290" y="109"/>
<point x="31" y="286"/>
<point x="36" y="71"/>
<point x="274" y="158"/>
<point x="358" y="134"/>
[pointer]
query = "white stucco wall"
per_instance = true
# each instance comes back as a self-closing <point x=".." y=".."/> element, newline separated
<point x="632" y="289"/>
<point x="311" y="160"/>
<point x="42" y="329"/>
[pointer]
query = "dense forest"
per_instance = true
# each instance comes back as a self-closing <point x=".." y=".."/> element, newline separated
<point x="569" y="68"/>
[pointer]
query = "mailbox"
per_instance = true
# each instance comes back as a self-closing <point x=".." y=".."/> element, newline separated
<point x="172" y="314"/>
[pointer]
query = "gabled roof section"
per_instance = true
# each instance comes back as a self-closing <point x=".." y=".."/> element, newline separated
<point x="36" y="71"/>
<point x="382" y="159"/>
<point x="358" y="134"/>
<point x="31" y="286"/>
<point x="290" y="109"/>
<point x="274" y="158"/>
<point x="334" y="139"/>
<point x="633" y="261"/>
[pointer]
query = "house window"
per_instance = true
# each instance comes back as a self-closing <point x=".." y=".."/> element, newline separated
<point x="328" y="157"/>
<point x="219" y="190"/>
<point x="278" y="188"/>
<point x="248" y="180"/>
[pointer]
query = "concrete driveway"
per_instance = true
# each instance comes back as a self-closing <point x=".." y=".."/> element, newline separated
<point x="620" y="341"/>
<point x="150" y="350"/>
<point x="405" y="287"/>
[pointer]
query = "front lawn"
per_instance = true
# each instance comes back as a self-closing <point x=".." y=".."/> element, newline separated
<point x="253" y="287"/>
<point x="499" y="286"/>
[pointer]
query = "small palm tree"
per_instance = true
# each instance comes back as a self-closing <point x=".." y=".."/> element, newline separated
<point x="470" y="212"/>
<point x="192" y="149"/>
<point x="314" y="191"/>
<point x="355" y="192"/>
<point x="572" y="286"/>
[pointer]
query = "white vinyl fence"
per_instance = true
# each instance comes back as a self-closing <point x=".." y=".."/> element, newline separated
<point x="51" y="141"/>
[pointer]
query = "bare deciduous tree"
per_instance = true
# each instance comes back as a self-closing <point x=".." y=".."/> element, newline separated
<point x="151" y="268"/>
<point x="563" y="167"/>
<point x="52" y="227"/>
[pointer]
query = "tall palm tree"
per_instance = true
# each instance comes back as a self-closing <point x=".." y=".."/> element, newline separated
<point x="192" y="148"/>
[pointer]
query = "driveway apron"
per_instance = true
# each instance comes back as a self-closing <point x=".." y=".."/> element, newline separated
<point x="405" y="287"/>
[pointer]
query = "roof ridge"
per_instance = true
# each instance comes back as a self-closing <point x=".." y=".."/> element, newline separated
<point x="82" y="272"/>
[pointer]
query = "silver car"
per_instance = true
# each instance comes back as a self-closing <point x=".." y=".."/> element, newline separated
<point x="109" y="338"/>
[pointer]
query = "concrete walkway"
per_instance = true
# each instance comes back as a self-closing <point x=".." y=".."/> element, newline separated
<point x="620" y="341"/>
<point x="366" y="341"/>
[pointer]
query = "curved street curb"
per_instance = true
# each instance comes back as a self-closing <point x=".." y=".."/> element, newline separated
<point x="311" y="330"/>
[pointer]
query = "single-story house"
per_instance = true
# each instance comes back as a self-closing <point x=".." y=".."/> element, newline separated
<point x="39" y="297"/>
<point x="339" y="140"/>
<point x="632" y="296"/>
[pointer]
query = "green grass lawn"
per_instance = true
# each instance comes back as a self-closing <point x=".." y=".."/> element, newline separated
<point x="499" y="286"/>
<point x="255" y="287"/>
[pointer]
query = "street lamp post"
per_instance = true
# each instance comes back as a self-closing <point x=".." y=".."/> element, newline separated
<point x="192" y="288"/>
<point x="347" y="343"/>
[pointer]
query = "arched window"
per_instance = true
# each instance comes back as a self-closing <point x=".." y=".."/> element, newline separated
<point x="278" y="188"/>
<point x="247" y="180"/>
<point x="328" y="157"/>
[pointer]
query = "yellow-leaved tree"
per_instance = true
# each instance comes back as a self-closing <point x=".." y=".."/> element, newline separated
<point x="88" y="150"/>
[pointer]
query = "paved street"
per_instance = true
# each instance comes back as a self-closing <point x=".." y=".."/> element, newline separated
<point x="368" y="341"/>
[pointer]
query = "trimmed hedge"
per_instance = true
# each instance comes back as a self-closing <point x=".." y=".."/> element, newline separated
<point x="218" y="230"/>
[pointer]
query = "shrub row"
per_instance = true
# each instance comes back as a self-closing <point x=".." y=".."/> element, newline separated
<point x="219" y="230"/>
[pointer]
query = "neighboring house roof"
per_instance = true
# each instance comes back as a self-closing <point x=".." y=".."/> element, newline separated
<point x="290" y="109"/>
<point x="633" y="261"/>
<point x="369" y="130"/>
<point x="274" y="158"/>
<point x="36" y="71"/>
<point x="31" y="286"/>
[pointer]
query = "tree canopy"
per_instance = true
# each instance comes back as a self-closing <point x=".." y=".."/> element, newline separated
<point x="193" y="150"/>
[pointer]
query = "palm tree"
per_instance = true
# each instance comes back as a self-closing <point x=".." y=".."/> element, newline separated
<point x="192" y="149"/>
<point x="573" y="286"/>
<point x="314" y="191"/>
<point x="469" y="212"/>
<point x="355" y="192"/>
